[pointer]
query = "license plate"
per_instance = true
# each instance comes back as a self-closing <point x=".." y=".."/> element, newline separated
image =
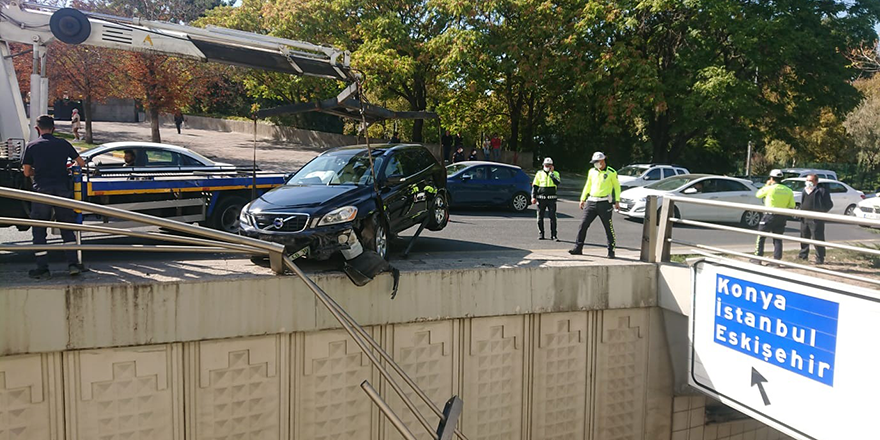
<point x="304" y="252"/>
<point x="624" y="206"/>
<point x="872" y="215"/>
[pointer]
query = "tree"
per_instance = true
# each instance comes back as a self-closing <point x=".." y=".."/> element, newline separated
<point x="82" y="71"/>
<point x="863" y="125"/>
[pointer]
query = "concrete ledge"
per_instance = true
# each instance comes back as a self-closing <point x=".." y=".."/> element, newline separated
<point x="111" y="311"/>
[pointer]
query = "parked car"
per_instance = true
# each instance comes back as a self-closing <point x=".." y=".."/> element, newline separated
<point x="868" y="209"/>
<point x="698" y="186"/>
<point x="804" y="172"/>
<point x="488" y="184"/>
<point x="330" y="203"/>
<point x="635" y="175"/>
<point x="149" y="158"/>
<point x="844" y="197"/>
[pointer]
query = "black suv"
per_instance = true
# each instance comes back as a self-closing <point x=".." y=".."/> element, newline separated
<point x="329" y="205"/>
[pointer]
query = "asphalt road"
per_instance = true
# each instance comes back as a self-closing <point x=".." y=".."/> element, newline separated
<point x="469" y="231"/>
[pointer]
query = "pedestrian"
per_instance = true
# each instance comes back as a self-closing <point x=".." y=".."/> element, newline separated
<point x="446" y="143"/>
<point x="775" y="195"/>
<point x="178" y="120"/>
<point x="459" y="141"/>
<point x="473" y="155"/>
<point x="395" y="138"/>
<point x="45" y="160"/>
<point x="75" y="124"/>
<point x="814" y="198"/>
<point x="495" y="143"/>
<point x="544" y="195"/>
<point x="458" y="156"/>
<point x="486" y="146"/>
<point x="601" y="194"/>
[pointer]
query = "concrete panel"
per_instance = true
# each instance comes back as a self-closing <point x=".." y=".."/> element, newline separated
<point x="561" y="370"/>
<point x="32" y="320"/>
<point x="621" y="375"/>
<point x="674" y="287"/>
<point x="429" y="353"/>
<point x="31" y="399"/>
<point x="329" y="403"/>
<point x="492" y="378"/>
<point x="658" y="400"/>
<point x="238" y="388"/>
<point x="124" y="393"/>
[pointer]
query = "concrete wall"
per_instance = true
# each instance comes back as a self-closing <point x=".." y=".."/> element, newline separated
<point x="689" y="423"/>
<point x="115" y="110"/>
<point x="600" y="374"/>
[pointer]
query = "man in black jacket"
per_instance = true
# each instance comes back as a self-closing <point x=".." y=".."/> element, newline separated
<point x="814" y="198"/>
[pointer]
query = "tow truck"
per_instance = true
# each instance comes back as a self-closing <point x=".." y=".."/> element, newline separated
<point x="213" y="198"/>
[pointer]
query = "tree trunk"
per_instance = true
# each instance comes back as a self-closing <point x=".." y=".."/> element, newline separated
<point x="87" y="115"/>
<point x="154" y="124"/>
<point x="659" y="129"/>
<point x="418" y="104"/>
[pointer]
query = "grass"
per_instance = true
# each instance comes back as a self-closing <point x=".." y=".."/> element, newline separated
<point x="81" y="146"/>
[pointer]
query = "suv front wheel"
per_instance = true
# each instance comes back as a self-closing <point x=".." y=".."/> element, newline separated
<point x="375" y="237"/>
<point x="439" y="212"/>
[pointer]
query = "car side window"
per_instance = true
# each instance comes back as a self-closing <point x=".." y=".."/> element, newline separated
<point x="110" y="159"/>
<point x="836" y="188"/>
<point x="394" y="167"/>
<point x="190" y="162"/>
<point x="424" y="158"/>
<point x="653" y="174"/>
<point x="680" y="171"/>
<point x="500" y="173"/>
<point x="162" y="158"/>
<point x="668" y="172"/>
<point x="730" y="185"/>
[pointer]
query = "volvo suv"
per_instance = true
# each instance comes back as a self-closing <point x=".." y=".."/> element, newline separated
<point x="330" y="205"/>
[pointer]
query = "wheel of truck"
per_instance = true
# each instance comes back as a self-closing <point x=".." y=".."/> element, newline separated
<point x="439" y="212"/>
<point x="374" y="236"/>
<point x="225" y="216"/>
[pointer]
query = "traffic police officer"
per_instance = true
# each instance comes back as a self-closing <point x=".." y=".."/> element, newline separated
<point x="45" y="159"/>
<point x="544" y="194"/>
<point x="600" y="195"/>
<point x="775" y="195"/>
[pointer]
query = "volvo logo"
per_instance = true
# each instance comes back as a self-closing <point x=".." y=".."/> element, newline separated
<point x="278" y="222"/>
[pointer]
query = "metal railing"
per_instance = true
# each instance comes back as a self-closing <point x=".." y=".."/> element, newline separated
<point x="209" y="240"/>
<point x="657" y="236"/>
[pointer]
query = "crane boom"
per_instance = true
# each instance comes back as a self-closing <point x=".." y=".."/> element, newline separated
<point x="38" y="25"/>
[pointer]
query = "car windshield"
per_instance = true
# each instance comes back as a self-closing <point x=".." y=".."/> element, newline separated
<point x="670" y="183"/>
<point x="795" y="185"/>
<point x="337" y="169"/>
<point x="630" y="171"/>
<point x="452" y="169"/>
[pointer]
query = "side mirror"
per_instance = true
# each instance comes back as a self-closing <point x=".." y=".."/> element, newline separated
<point x="691" y="190"/>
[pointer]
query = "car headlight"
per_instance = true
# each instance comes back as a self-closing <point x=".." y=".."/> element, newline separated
<point x="339" y="215"/>
<point x="243" y="218"/>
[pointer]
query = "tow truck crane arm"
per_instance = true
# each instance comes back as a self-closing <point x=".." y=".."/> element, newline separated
<point x="38" y="25"/>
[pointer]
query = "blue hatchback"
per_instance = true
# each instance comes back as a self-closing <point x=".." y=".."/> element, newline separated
<point x="488" y="184"/>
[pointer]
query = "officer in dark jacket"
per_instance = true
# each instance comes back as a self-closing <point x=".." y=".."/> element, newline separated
<point x="544" y="195"/>
<point x="45" y="159"/>
<point x="814" y="198"/>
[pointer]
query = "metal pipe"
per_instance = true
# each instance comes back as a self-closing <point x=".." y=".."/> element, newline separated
<point x="779" y="236"/>
<point x="784" y="263"/>
<point x="397" y="369"/>
<point x="386" y="409"/>
<point x="789" y="212"/>
<point x="324" y="298"/>
<point x="117" y="248"/>
<point x="126" y="232"/>
<point x="272" y="248"/>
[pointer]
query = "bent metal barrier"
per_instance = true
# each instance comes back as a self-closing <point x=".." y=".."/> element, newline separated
<point x="657" y="242"/>
<point x="213" y="241"/>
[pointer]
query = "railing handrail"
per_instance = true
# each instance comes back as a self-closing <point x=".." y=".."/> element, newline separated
<point x="790" y="212"/>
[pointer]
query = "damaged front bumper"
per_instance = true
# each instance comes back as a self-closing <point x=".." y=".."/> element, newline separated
<point x="321" y="242"/>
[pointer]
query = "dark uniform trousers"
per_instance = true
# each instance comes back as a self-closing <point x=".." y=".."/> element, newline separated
<point x="40" y="211"/>
<point x="812" y="229"/>
<point x="773" y="223"/>
<point x="603" y="210"/>
<point x="549" y="205"/>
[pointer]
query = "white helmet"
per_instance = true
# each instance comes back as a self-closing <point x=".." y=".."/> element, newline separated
<point x="597" y="156"/>
<point x="548" y="161"/>
<point x="776" y="173"/>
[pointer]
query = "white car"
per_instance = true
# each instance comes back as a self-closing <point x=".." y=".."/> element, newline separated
<point x="697" y="186"/>
<point x="635" y="175"/>
<point x="844" y="197"/>
<point x="868" y="208"/>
